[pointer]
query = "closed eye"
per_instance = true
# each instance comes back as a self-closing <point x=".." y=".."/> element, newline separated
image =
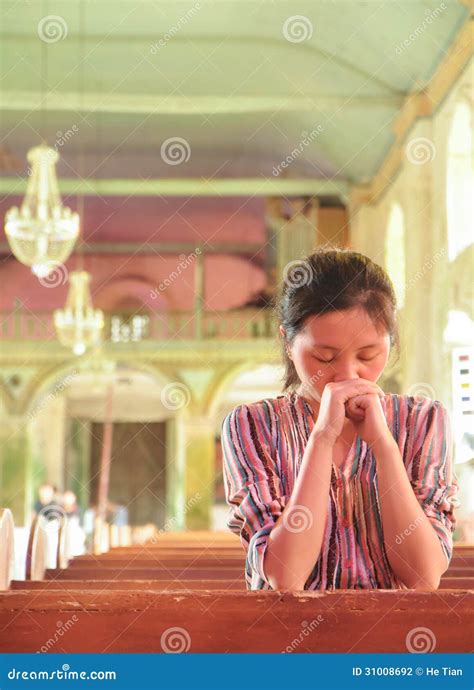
<point x="362" y="359"/>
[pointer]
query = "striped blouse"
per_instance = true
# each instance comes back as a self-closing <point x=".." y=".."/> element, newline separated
<point x="263" y="445"/>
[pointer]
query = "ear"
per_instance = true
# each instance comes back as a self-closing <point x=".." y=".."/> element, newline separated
<point x="281" y="331"/>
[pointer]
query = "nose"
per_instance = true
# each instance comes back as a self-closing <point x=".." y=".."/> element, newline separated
<point x="345" y="371"/>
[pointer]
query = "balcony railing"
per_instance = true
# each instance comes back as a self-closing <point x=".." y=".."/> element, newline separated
<point x="241" y="324"/>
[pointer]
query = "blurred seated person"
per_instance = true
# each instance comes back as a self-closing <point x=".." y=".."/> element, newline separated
<point x="46" y="505"/>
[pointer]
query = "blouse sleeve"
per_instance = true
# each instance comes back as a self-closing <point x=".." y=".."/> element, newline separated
<point x="252" y="484"/>
<point x="432" y="475"/>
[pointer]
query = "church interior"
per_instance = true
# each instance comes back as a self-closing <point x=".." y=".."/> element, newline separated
<point x="162" y="166"/>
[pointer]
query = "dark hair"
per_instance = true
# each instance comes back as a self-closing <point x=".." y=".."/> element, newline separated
<point x="333" y="280"/>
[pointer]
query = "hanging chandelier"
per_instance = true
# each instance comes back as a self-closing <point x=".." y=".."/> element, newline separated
<point x="42" y="233"/>
<point x="79" y="326"/>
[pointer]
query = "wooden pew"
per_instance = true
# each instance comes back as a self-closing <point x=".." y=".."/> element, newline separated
<point x="137" y="562"/>
<point x="163" y="573"/>
<point x="138" y="585"/>
<point x="202" y="621"/>
<point x="36" y="551"/>
<point x="7" y="551"/>
<point x="129" y="599"/>
<point x="457" y="583"/>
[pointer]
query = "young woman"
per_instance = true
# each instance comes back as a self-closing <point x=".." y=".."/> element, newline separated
<point x="336" y="484"/>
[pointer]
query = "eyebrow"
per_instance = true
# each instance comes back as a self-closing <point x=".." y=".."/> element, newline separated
<point x="331" y="347"/>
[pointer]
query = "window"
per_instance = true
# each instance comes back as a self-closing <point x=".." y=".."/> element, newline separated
<point x="395" y="252"/>
<point x="460" y="181"/>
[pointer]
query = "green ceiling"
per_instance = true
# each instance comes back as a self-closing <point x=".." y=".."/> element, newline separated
<point x="225" y="76"/>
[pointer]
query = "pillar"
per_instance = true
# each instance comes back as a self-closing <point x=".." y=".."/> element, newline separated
<point x="195" y="471"/>
<point x="16" y="466"/>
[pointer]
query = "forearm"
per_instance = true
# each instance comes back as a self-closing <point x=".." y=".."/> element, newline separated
<point x="413" y="548"/>
<point x="295" y="542"/>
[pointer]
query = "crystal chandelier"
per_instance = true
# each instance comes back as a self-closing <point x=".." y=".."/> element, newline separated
<point x="42" y="233"/>
<point x="79" y="325"/>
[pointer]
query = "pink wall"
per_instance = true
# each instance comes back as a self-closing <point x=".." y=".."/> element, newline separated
<point x="230" y="279"/>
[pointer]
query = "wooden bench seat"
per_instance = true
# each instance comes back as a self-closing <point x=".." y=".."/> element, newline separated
<point x="140" y="621"/>
<point x="66" y="585"/>
<point x="131" y="573"/>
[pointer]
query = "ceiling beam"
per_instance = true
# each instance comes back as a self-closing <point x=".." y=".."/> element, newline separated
<point x="97" y="102"/>
<point x="423" y="104"/>
<point x="260" y="42"/>
<point x="198" y="187"/>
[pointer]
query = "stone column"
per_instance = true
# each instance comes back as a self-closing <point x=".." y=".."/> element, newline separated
<point x="195" y="460"/>
<point x="16" y="485"/>
<point x="426" y="306"/>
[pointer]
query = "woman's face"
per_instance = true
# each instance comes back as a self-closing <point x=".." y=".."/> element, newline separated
<point x="338" y="346"/>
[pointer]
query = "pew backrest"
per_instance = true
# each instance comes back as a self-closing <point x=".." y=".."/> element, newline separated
<point x="36" y="552"/>
<point x="7" y="551"/>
